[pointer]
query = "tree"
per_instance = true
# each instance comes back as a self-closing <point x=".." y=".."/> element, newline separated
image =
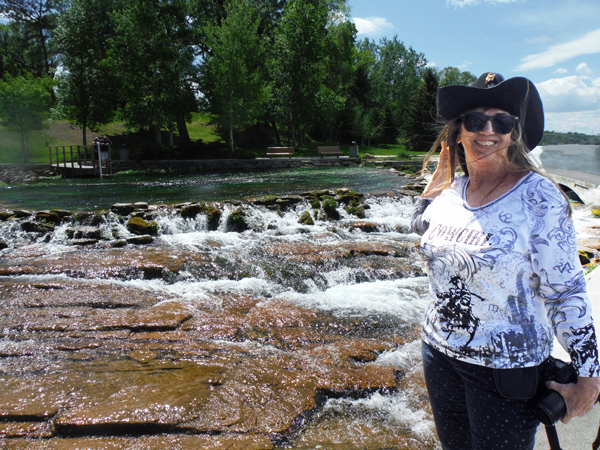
<point x="296" y="64"/>
<point x="24" y="105"/>
<point x="395" y="76"/>
<point x="153" y="57"/>
<point x="87" y="88"/>
<point x="420" y="126"/>
<point x="340" y="60"/>
<point x="235" y="90"/>
<point x="452" y="75"/>
<point x="40" y="16"/>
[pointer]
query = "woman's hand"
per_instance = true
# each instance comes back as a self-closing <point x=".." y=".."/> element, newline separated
<point x="442" y="175"/>
<point x="580" y="396"/>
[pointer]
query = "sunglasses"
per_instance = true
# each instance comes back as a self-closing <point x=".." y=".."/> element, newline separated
<point x="477" y="121"/>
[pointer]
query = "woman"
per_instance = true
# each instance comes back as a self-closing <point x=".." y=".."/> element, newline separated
<point x="504" y="273"/>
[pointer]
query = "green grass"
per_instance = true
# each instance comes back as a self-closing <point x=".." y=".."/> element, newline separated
<point x="61" y="133"/>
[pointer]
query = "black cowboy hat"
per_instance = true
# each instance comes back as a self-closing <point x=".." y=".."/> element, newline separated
<point x="517" y="95"/>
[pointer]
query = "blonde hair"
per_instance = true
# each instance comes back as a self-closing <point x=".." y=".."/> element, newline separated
<point x="517" y="154"/>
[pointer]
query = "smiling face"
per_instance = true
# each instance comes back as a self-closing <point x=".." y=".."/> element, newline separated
<point x="485" y="145"/>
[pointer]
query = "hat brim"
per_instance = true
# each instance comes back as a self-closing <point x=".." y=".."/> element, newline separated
<point x="508" y="96"/>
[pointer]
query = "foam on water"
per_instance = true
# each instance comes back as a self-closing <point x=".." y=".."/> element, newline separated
<point x="404" y="298"/>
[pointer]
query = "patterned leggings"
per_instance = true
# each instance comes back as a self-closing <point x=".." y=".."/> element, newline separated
<point x="468" y="411"/>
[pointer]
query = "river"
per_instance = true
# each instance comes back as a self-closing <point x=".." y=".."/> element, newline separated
<point x="274" y="334"/>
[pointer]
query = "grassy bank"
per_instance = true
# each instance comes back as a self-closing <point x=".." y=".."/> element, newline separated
<point x="61" y="133"/>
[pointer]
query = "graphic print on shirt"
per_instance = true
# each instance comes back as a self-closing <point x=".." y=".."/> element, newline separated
<point x="582" y="346"/>
<point x="455" y="311"/>
<point x="521" y="338"/>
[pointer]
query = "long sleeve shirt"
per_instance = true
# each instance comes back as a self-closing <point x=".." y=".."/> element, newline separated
<point x="505" y="278"/>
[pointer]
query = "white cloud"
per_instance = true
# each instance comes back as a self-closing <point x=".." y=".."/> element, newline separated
<point x="431" y="64"/>
<point x="587" y="122"/>
<point x="570" y="94"/>
<point x="538" y="40"/>
<point x="586" y="45"/>
<point x="561" y="70"/>
<point x="372" y="26"/>
<point x="583" y="69"/>
<point x="464" y="65"/>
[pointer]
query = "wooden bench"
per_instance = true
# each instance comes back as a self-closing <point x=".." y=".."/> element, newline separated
<point x="280" y="151"/>
<point x="330" y="151"/>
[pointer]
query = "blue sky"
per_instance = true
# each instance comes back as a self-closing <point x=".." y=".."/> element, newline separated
<point x="554" y="43"/>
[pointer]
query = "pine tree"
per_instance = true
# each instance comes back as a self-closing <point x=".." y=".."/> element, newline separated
<point x="420" y="129"/>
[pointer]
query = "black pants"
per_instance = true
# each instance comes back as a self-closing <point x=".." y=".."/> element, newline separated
<point x="469" y="413"/>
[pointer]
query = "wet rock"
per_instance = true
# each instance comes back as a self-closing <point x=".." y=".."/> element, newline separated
<point x="118" y="243"/>
<point x="267" y="200"/>
<point x="306" y="219"/>
<point x="347" y="196"/>
<point x="87" y="232"/>
<point x="190" y="211"/>
<point x="84" y="242"/>
<point x="417" y="187"/>
<point x="122" y="209"/>
<point x="585" y="256"/>
<point x="213" y="215"/>
<point x="139" y="226"/>
<point x="62" y="213"/>
<point x="140" y="240"/>
<point x="88" y="218"/>
<point x="48" y="217"/>
<point x="37" y="227"/>
<point x="171" y="442"/>
<point x="7" y="214"/>
<point x="357" y="211"/>
<point x="20" y="213"/>
<point x="330" y="209"/>
<point x="3" y="244"/>
<point x="140" y="205"/>
<point x="366" y="227"/>
<point x="286" y="202"/>
<point x="236" y="222"/>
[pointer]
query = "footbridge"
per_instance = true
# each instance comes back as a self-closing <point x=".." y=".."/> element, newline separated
<point x="585" y="185"/>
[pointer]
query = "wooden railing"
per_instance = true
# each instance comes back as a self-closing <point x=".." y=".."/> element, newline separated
<point x="79" y="157"/>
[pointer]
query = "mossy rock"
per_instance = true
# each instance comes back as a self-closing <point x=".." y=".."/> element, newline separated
<point x="5" y="215"/>
<point x="585" y="256"/>
<point x="358" y="212"/>
<point x="37" y="227"/>
<point x="306" y="219"/>
<point x="330" y="209"/>
<point x="236" y="221"/>
<point x="139" y="226"/>
<point x="213" y="215"/>
<point x="47" y="217"/>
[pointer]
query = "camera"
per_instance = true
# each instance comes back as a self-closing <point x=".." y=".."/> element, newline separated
<point x="548" y="405"/>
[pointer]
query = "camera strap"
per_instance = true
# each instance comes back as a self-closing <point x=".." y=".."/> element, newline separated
<point x="552" y="437"/>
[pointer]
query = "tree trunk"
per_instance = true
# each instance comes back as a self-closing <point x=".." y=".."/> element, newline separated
<point x="231" y="138"/>
<point x="274" y="125"/>
<point x="84" y="132"/>
<point x="184" y="136"/>
<point x="157" y="138"/>
<point x="293" y="131"/>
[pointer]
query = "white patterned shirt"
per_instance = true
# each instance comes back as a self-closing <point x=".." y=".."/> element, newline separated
<point x="505" y="277"/>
